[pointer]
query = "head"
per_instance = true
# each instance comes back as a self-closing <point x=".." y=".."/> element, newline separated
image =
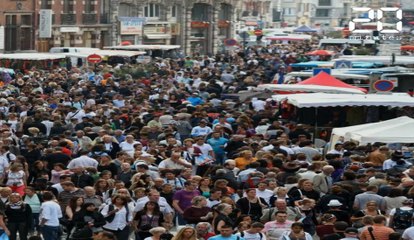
<point x="281" y="205"/>
<point x="15" y="197"/>
<point x="297" y="227"/>
<point x="224" y="208"/>
<point x="104" y="236"/>
<point x="199" y="201"/>
<point x="281" y="216"/>
<point x="226" y="231"/>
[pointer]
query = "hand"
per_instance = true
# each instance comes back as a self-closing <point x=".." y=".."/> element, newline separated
<point x="7" y="232"/>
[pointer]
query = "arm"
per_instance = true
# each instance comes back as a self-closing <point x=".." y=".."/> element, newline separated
<point x="3" y="225"/>
<point x="69" y="212"/>
<point x="177" y="207"/>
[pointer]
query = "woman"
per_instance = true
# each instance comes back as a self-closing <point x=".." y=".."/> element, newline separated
<point x="23" y="162"/>
<point x="371" y="209"/>
<point x="186" y="233"/>
<point x="16" y="178"/>
<point x="251" y="204"/>
<point x="327" y="225"/>
<point x="222" y="218"/>
<point x="87" y="222"/>
<point x="280" y="193"/>
<point x="204" y="187"/>
<point x="118" y="217"/>
<point x="246" y="157"/>
<point x="37" y="171"/>
<point x="149" y="217"/>
<point x="101" y="187"/>
<point x="156" y="233"/>
<point x="19" y="217"/>
<point x="304" y="190"/>
<point x="74" y="206"/>
<point x="296" y="233"/>
<point x="105" y="163"/>
<point x="307" y="209"/>
<point x="394" y="199"/>
<point x="58" y="170"/>
<point x="198" y="212"/>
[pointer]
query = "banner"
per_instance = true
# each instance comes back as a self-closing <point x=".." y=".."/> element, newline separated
<point x="45" y="23"/>
<point x="131" y="25"/>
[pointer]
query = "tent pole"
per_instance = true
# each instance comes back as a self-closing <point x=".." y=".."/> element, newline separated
<point x="316" y="124"/>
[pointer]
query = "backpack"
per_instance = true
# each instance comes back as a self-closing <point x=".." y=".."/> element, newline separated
<point x="403" y="219"/>
<point x="260" y="234"/>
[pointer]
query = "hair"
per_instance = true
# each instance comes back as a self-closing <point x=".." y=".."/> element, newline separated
<point x="221" y="207"/>
<point x="372" y="188"/>
<point x="297" y="224"/>
<point x="196" y="200"/>
<point x="156" y="208"/>
<point x="47" y="196"/>
<point x="73" y="203"/>
<point x="395" y="192"/>
<point x="68" y="184"/>
<point x="179" y="234"/>
<point x="109" y="235"/>
<point x="124" y="199"/>
<point x="379" y="219"/>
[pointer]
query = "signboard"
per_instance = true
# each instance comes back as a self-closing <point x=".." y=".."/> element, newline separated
<point x="94" y="58"/>
<point x="316" y="71"/>
<point x="2" y="37"/>
<point x="69" y="29"/>
<point x="258" y="32"/>
<point x="45" y="23"/>
<point x="131" y="25"/>
<point x="199" y="24"/>
<point x="223" y="24"/>
<point x="230" y="42"/>
<point x="383" y="85"/>
<point x="343" y="64"/>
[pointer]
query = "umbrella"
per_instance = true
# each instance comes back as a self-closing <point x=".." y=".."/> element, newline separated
<point x="407" y="48"/>
<point x="304" y="29"/>
<point x="320" y="53"/>
<point x="126" y="43"/>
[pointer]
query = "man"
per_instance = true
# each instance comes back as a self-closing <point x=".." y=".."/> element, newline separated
<point x="128" y="145"/>
<point x="175" y="162"/>
<point x="402" y="218"/>
<point x="5" y="153"/>
<point x="280" y="205"/>
<point x="378" y="230"/>
<point x="154" y="196"/>
<point x="69" y="191"/>
<point x="322" y="182"/>
<point x="201" y="130"/>
<point x="253" y="233"/>
<point x="376" y="157"/>
<point x="307" y="148"/>
<point x="310" y="173"/>
<point x="226" y="233"/>
<point x="263" y="192"/>
<point x="215" y="196"/>
<point x="204" y="230"/>
<point x="80" y="178"/>
<point x="50" y="212"/>
<point x="351" y="234"/>
<point x="83" y="161"/>
<point x="83" y="142"/>
<point x="218" y="144"/>
<point x="275" y="229"/>
<point x="176" y="182"/>
<point x="339" y="231"/>
<point x="57" y="187"/>
<point x="57" y="156"/>
<point x="105" y="235"/>
<point x="408" y="234"/>
<point x="182" y="199"/>
<point x="370" y="195"/>
<point x="110" y="147"/>
<point x="91" y="197"/>
<point x="126" y="173"/>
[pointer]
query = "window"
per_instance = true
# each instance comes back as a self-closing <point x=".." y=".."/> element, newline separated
<point x="67" y="6"/>
<point x="325" y="3"/>
<point x="152" y="10"/>
<point x="174" y="11"/>
<point x="200" y="12"/>
<point x="289" y="11"/>
<point x="322" y="13"/>
<point x="89" y="7"/>
<point x="46" y="4"/>
<point x="26" y="20"/>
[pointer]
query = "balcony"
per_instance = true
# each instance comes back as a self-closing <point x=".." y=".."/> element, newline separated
<point x="89" y="18"/>
<point x="68" y="19"/>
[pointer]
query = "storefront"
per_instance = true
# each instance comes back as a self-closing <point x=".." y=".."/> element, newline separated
<point x="157" y="33"/>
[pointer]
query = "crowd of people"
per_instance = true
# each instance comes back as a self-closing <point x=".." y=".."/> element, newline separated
<point x="90" y="154"/>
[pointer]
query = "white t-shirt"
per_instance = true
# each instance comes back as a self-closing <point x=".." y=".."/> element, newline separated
<point x="50" y="211"/>
<point x="408" y="233"/>
<point x="252" y="236"/>
<point x="4" y="163"/>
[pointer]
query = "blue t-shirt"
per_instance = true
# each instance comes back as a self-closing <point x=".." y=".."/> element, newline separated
<point x="216" y="143"/>
<point x="232" y="237"/>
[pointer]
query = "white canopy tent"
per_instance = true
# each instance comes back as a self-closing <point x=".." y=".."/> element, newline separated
<point x="397" y="130"/>
<point x="307" y="88"/>
<point x="32" y="56"/>
<point x="307" y="100"/>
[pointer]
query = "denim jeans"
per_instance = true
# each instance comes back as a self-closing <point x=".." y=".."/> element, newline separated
<point x="50" y="233"/>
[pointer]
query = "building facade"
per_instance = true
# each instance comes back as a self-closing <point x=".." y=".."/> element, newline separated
<point x="17" y="25"/>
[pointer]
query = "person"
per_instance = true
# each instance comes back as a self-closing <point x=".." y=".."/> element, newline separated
<point x="19" y="217"/>
<point x="146" y="219"/>
<point x="408" y="233"/>
<point x="105" y="236"/>
<point x="280" y="205"/>
<point x="254" y="232"/>
<point x="378" y="230"/>
<point x="370" y="210"/>
<point x="226" y="233"/>
<point x="351" y="234"/>
<point x="339" y="231"/>
<point x="296" y="232"/>
<point x="3" y="226"/>
<point x="322" y="182"/>
<point x="401" y="218"/>
<point x="156" y="233"/>
<point x="182" y="199"/>
<point x="50" y="213"/>
<point x="87" y="222"/>
<point x="275" y="229"/>
<point x="186" y="233"/>
<point x="16" y="178"/>
<point x="251" y="204"/>
<point x="327" y="225"/>
<point x="223" y="217"/>
<point x="198" y="211"/>
<point x="118" y="217"/>
<point x="369" y="195"/>
<point x="204" y="230"/>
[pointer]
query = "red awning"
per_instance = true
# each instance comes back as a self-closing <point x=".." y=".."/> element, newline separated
<point x="324" y="79"/>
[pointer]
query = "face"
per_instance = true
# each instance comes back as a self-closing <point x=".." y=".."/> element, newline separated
<point x="91" y="208"/>
<point x="14" y="198"/>
<point x="262" y="186"/>
<point x="371" y="206"/>
<point x="188" y="233"/>
<point x="281" y="217"/>
<point x="154" y="197"/>
<point x="280" y="205"/>
<point x="307" y="185"/>
<point x="251" y="193"/>
<point x="79" y="202"/>
<point x="228" y="210"/>
<point x="282" y="192"/>
<point x="226" y="232"/>
<point x="297" y="229"/>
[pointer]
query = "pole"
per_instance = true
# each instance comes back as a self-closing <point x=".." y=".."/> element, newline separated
<point x="316" y="124"/>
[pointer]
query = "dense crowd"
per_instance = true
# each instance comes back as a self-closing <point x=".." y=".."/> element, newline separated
<point x="90" y="153"/>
